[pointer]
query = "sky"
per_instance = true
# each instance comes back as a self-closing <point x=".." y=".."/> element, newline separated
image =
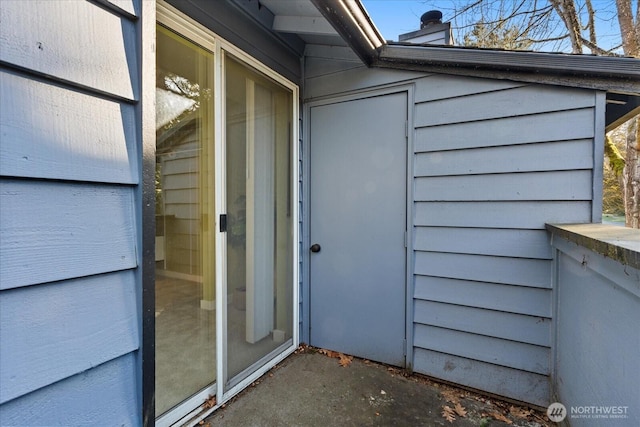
<point x="395" y="17"/>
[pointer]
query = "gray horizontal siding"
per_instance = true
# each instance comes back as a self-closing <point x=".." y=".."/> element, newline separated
<point x="493" y="161"/>
<point x="478" y="320"/>
<point x="520" y="101"/>
<point x="72" y="326"/>
<point x="331" y="71"/>
<point x="576" y="185"/>
<point x="317" y="67"/>
<point x="484" y="241"/>
<point x="498" y="379"/>
<point x="489" y="214"/>
<point x="557" y="156"/>
<point x="439" y="87"/>
<point x="54" y="231"/>
<point x="48" y="130"/>
<point x="512" y="299"/>
<point x="574" y="125"/>
<point x="483" y="348"/>
<point x="512" y="271"/>
<point x="491" y="167"/>
<point x="69" y="205"/>
<point x="98" y="396"/>
<point x="75" y="41"/>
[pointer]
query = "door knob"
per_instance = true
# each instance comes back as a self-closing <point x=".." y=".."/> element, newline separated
<point x="315" y="247"/>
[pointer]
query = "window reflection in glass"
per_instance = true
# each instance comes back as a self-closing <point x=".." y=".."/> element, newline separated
<point x="185" y="257"/>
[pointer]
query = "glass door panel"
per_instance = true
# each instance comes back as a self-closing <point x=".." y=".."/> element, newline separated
<point x="185" y="232"/>
<point x="259" y="240"/>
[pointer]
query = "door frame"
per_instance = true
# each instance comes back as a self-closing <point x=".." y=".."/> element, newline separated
<point x="409" y="89"/>
<point x="190" y="411"/>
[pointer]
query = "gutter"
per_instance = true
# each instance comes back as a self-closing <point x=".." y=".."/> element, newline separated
<point x="351" y="20"/>
<point x="514" y="61"/>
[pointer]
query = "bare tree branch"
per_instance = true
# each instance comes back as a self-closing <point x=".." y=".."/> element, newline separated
<point x="595" y="49"/>
<point x="567" y="11"/>
<point x="591" y="23"/>
<point x="550" y="39"/>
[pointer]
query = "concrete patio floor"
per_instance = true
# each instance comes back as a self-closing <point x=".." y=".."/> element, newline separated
<point x="310" y="388"/>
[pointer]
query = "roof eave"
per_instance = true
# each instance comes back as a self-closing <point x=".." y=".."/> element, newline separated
<point x="595" y="72"/>
<point x="354" y="25"/>
<point x="516" y="61"/>
<point x="352" y="22"/>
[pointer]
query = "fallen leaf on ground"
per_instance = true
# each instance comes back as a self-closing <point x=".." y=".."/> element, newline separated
<point x="345" y="360"/>
<point x="460" y="410"/>
<point x="450" y="396"/>
<point x="448" y="414"/>
<point x="329" y="353"/>
<point x="210" y="402"/>
<point x="520" y="412"/>
<point x="498" y="416"/>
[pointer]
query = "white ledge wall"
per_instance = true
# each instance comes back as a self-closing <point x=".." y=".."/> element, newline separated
<point x="597" y="313"/>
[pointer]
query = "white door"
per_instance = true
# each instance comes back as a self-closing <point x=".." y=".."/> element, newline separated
<point x="358" y="224"/>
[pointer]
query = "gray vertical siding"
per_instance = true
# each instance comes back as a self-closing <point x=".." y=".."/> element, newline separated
<point x="303" y="300"/>
<point x="69" y="172"/>
<point x="493" y="162"/>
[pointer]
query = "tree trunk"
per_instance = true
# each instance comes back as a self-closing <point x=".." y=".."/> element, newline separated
<point x="631" y="46"/>
<point x="567" y="12"/>
<point x="630" y="33"/>
<point x="632" y="176"/>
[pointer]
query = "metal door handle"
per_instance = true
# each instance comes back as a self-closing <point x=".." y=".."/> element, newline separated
<point x="315" y="247"/>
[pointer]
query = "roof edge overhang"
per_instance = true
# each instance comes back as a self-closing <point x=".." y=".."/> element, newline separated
<point x="589" y="71"/>
<point x="353" y="23"/>
<point x="617" y="76"/>
<point x="351" y="20"/>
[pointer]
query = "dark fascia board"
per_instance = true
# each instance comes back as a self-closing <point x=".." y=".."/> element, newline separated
<point x="516" y="61"/>
<point x="585" y="71"/>
<point x="352" y="22"/>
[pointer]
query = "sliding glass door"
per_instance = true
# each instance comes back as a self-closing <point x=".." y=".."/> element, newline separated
<point x="185" y="236"/>
<point x="225" y="216"/>
<point x="259" y="241"/>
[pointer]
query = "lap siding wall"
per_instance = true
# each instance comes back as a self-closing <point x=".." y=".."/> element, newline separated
<point x="70" y="289"/>
<point x="493" y="162"/>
